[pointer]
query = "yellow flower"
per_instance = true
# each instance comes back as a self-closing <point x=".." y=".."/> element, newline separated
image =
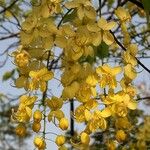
<point x="66" y="32"/>
<point x="22" y="58"/>
<point x="122" y="123"/>
<point x="20" y="130"/>
<point x="70" y="74"/>
<point x="91" y="104"/>
<point x="82" y="112"/>
<point x="85" y="92"/>
<point x="121" y="101"/>
<point x="60" y="140"/>
<point x="50" y="7"/>
<point x="122" y="14"/>
<point x="131" y="91"/>
<point x="63" y="123"/>
<point x="129" y="55"/>
<point x="120" y="135"/>
<point x="79" y="115"/>
<point x="120" y="109"/>
<point x="36" y="126"/>
<point x="133" y="49"/>
<point x="75" y="43"/>
<point x="24" y="111"/>
<point x="108" y="75"/>
<point x="101" y="31"/>
<point x="71" y="90"/>
<point x="58" y="114"/>
<point x="92" y="80"/>
<point x="130" y="72"/>
<point x="39" y="143"/>
<point x="37" y="29"/>
<point x="84" y="8"/>
<point x="85" y="138"/>
<point x="79" y="45"/>
<point x="54" y="103"/>
<point x="37" y="116"/>
<point x="111" y="145"/>
<point x="29" y="23"/>
<point x="87" y="115"/>
<point x="22" y="82"/>
<point x="104" y="25"/>
<point x="39" y="79"/>
<point x="98" y="119"/>
<point x="63" y="147"/>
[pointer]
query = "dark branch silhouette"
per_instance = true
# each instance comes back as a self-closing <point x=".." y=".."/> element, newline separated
<point x="6" y="8"/>
<point x="138" y="61"/>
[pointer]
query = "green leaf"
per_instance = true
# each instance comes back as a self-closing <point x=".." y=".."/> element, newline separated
<point x="70" y="16"/>
<point x="90" y="59"/>
<point x="102" y="51"/>
<point x="146" y="4"/>
<point x="110" y="3"/>
<point x="2" y="2"/>
<point x="8" y="75"/>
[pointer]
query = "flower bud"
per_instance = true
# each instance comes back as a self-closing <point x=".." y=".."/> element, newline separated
<point x="63" y="147"/>
<point x="37" y="116"/>
<point x="20" y="130"/>
<point x="39" y="143"/>
<point x="36" y="126"/>
<point x="85" y="138"/>
<point x="60" y="140"/>
<point x="120" y="135"/>
<point x="63" y="123"/>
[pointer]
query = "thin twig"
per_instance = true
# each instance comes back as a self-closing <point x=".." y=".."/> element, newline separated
<point x="139" y="62"/>
<point x="9" y="36"/>
<point x="64" y="17"/>
<point x="137" y="3"/>
<point x="143" y="98"/>
<point x="6" y="8"/>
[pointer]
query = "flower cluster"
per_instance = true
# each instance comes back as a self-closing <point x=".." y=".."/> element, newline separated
<point x="100" y="93"/>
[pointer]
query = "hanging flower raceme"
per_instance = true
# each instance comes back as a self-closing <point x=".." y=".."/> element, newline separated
<point x="69" y="36"/>
<point x="24" y="112"/>
<point x="84" y="8"/>
<point x="39" y="79"/>
<point x="98" y="120"/>
<point x="22" y="57"/>
<point x="55" y="105"/>
<point x="108" y="75"/>
<point x="101" y="31"/>
<point x="124" y="17"/>
<point x="39" y="143"/>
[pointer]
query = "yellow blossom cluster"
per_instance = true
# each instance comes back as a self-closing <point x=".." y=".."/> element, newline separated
<point x="41" y="33"/>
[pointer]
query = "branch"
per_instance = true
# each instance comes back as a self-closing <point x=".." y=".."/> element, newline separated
<point x="64" y="17"/>
<point x="71" y="119"/>
<point x="44" y="96"/>
<point x="143" y="98"/>
<point x="11" y="5"/>
<point x="139" y="62"/>
<point x="10" y="36"/>
<point x="137" y="3"/>
<point x="119" y="4"/>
